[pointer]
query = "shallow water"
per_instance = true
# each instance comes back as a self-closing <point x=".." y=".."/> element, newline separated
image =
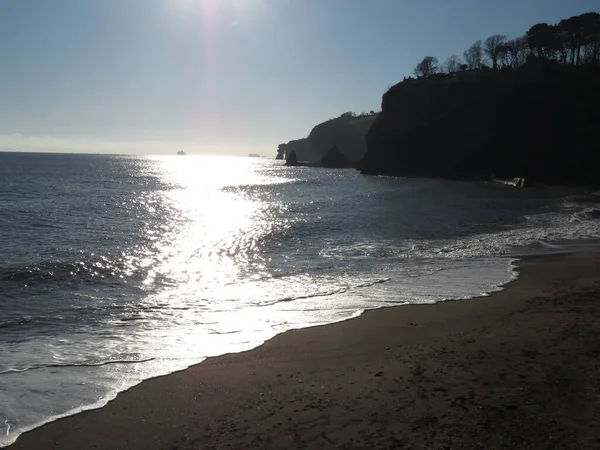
<point x="115" y="269"/>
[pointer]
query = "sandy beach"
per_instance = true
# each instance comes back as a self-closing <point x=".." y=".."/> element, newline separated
<point x="517" y="369"/>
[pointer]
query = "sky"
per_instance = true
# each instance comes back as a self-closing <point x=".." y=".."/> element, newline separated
<point x="222" y="76"/>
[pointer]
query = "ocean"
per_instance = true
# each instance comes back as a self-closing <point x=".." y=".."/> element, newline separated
<point x="116" y="269"/>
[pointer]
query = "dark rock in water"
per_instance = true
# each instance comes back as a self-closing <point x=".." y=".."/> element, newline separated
<point x="292" y="160"/>
<point x="300" y="146"/>
<point x="336" y="159"/>
<point x="343" y="131"/>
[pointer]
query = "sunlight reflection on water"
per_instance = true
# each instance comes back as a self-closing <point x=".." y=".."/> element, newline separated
<point x="212" y="233"/>
<point x="209" y="249"/>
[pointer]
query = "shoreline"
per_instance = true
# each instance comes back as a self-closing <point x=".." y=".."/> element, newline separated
<point x="406" y="375"/>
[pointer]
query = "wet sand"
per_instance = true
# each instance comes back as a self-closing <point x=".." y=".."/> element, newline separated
<point x="517" y="369"/>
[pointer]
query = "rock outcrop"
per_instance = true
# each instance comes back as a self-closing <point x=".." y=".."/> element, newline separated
<point x="300" y="146"/>
<point x="347" y="132"/>
<point x="539" y="122"/>
<point x="335" y="159"/>
<point x="292" y="159"/>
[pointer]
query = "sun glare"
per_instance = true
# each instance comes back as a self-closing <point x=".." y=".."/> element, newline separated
<point x="212" y="18"/>
<point x="218" y="8"/>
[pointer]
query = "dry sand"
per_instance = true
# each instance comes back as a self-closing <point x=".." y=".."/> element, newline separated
<point x="518" y="369"/>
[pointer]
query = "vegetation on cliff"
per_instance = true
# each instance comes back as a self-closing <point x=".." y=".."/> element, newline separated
<point x="528" y="107"/>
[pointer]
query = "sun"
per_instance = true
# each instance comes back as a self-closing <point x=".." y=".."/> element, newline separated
<point x="216" y="8"/>
<point x="211" y="20"/>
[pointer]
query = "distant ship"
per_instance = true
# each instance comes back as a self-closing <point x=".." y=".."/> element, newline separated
<point x="181" y="153"/>
<point x="254" y="155"/>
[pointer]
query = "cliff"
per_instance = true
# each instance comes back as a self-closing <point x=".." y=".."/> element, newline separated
<point x="300" y="146"/>
<point x="539" y="121"/>
<point x="347" y="132"/>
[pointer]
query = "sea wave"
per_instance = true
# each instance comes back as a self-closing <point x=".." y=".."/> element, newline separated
<point x="70" y="365"/>
<point x="84" y="271"/>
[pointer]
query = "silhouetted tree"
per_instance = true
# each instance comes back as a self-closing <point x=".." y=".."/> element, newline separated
<point x="474" y="56"/>
<point x="452" y="64"/>
<point x="561" y="45"/>
<point x="491" y="48"/>
<point x="517" y="50"/>
<point x="504" y="59"/>
<point x="428" y="66"/>
<point x="541" y="39"/>
<point x="592" y="38"/>
<point x="578" y="33"/>
<point x="591" y="52"/>
<point x="348" y="115"/>
<point x="572" y="33"/>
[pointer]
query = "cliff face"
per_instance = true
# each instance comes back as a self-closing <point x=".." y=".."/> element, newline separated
<point x="540" y="123"/>
<point x="343" y="133"/>
<point x="300" y="146"/>
<point x="346" y="132"/>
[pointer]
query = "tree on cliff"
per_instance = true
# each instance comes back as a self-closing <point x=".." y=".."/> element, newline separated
<point x="580" y="33"/>
<point x="428" y="66"/>
<point x="474" y="56"/>
<point x="592" y="39"/>
<point x="573" y="41"/>
<point x="504" y="58"/>
<point x="493" y="48"/>
<point x="591" y="53"/>
<point x="349" y="115"/>
<point x="541" y="39"/>
<point x="517" y="51"/>
<point x="452" y="64"/>
<point x="571" y="33"/>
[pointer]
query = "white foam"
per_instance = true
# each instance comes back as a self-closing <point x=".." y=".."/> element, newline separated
<point x="46" y="394"/>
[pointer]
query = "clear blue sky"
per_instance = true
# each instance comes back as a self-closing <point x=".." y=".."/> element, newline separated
<point x="221" y="76"/>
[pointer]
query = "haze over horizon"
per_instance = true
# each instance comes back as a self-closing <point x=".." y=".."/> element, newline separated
<point x="221" y="76"/>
